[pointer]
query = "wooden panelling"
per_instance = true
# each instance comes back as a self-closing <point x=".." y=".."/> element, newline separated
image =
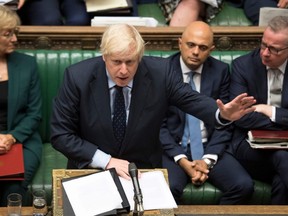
<point x="158" y="38"/>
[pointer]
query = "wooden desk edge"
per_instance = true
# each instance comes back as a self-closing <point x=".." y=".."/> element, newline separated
<point x="206" y="209"/>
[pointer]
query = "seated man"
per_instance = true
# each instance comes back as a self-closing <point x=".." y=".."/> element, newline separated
<point x="263" y="73"/>
<point x="211" y="77"/>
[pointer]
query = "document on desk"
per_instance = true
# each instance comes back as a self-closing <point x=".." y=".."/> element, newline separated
<point x="155" y="190"/>
<point x="93" y="194"/>
<point x="267" y="13"/>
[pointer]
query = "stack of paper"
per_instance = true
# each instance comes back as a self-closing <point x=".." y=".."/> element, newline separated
<point x="100" y="194"/>
<point x="268" y="139"/>
<point x="135" y="21"/>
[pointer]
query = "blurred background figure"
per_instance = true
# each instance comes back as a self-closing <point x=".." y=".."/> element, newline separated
<point x="252" y="7"/>
<point x="183" y="12"/>
<point x="54" y="12"/>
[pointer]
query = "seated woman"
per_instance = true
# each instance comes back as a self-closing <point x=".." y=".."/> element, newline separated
<point x="20" y="104"/>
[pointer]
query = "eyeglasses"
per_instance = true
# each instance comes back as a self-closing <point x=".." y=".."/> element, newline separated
<point x="10" y="32"/>
<point x="271" y="49"/>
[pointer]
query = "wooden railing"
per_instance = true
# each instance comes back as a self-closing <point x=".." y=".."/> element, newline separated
<point x="159" y="38"/>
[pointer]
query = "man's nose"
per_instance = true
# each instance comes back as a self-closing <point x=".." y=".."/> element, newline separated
<point x="123" y="68"/>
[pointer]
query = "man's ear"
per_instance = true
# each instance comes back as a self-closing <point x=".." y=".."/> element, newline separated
<point x="212" y="47"/>
<point x="103" y="57"/>
<point x="179" y="43"/>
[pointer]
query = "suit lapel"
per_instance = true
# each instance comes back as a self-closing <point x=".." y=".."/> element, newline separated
<point x="206" y="77"/>
<point x="101" y="97"/>
<point x="177" y="66"/>
<point x="140" y="89"/>
<point x="284" y="100"/>
<point x="261" y="87"/>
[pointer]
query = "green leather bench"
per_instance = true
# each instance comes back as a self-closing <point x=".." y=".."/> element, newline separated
<point x="51" y="65"/>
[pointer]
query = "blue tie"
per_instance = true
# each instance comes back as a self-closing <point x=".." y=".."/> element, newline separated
<point x="119" y="117"/>
<point x="192" y="130"/>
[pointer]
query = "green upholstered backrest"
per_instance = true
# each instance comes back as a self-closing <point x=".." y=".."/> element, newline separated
<point x="230" y="16"/>
<point x="52" y="63"/>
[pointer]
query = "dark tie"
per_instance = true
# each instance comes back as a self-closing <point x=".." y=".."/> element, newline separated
<point x="119" y="117"/>
<point x="193" y="131"/>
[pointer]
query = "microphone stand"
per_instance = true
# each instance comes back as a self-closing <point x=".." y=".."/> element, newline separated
<point x="138" y="198"/>
<point x="138" y="206"/>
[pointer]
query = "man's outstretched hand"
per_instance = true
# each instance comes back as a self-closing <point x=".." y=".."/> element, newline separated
<point x="238" y="107"/>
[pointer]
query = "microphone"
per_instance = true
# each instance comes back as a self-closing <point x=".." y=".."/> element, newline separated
<point x="138" y="198"/>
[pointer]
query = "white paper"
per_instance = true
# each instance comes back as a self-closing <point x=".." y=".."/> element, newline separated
<point x="93" y="194"/>
<point x="155" y="190"/>
<point x="5" y="1"/>
<point x="267" y="13"/>
<point x="100" y="5"/>
<point x="213" y="3"/>
<point x="135" y="21"/>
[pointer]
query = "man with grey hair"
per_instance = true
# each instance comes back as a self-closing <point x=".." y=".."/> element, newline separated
<point x="256" y="73"/>
<point x="98" y="94"/>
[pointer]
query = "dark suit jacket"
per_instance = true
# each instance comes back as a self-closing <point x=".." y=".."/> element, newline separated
<point x="24" y="102"/>
<point x="250" y="75"/>
<point x="81" y="118"/>
<point x="215" y="79"/>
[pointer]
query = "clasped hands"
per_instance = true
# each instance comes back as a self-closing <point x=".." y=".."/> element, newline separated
<point x="197" y="170"/>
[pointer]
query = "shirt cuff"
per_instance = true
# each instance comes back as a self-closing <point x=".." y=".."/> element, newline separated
<point x="273" y="117"/>
<point x="211" y="156"/>
<point x="222" y="121"/>
<point x="178" y="157"/>
<point x="100" y="160"/>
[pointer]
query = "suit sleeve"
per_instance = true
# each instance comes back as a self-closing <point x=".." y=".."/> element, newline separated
<point x="220" y="138"/>
<point x="241" y="82"/>
<point x="64" y="124"/>
<point x="170" y="140"/>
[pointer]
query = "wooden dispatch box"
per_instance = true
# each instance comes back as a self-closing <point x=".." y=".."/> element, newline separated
<point x="59" y="174"/>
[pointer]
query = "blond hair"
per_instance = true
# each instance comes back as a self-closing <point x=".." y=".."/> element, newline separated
<point x="8" y="18"/>
<point x="120" y="39"/>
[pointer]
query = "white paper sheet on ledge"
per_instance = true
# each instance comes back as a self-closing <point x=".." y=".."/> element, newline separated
<point x="93" y="194"/>
<point x="155" y="191"/>
<point x="135" y="21"/>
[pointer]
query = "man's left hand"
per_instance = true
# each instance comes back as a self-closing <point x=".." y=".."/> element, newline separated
<point x="237" y="108"/>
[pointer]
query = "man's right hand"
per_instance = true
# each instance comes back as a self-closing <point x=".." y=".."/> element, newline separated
<point x="197" y="170"/>
<point x="121" y="166"/>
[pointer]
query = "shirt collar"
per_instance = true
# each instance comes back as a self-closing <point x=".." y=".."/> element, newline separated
<point x="281" y="67"/>
<point x="111" y="83"/>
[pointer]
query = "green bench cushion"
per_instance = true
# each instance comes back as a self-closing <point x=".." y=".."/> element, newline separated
<point x="230" y="16"/>
<point x="207" y="194"/>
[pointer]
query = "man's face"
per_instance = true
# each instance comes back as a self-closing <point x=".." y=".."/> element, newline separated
<point x="195" y="47"/>
<point x="121" y="67"/>
<point x="273" y="48"/>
